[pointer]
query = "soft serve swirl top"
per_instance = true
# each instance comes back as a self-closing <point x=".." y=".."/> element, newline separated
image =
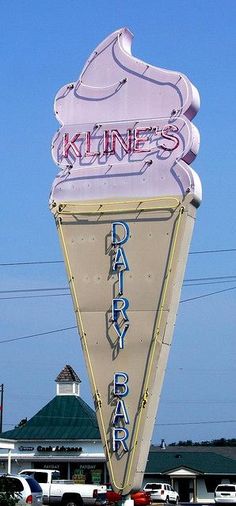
<point x="125" y="130"/>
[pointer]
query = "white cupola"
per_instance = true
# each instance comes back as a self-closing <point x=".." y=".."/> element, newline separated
<point x="68" y="382"/>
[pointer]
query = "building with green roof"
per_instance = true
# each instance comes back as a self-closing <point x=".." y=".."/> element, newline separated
<point x="64" y="417"/>
<point x="193" y="471"/>
<point x="63" y="435"/>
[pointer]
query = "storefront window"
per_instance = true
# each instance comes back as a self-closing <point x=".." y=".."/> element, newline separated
<point x="212" y="482"/>
<point x="62" y="467"/>
<point x="87" y="473"/>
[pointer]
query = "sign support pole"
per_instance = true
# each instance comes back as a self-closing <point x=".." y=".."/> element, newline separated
<point x="127" y="501"/>
<point x="1" y="407"/>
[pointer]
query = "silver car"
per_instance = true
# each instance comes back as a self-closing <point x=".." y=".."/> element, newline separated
<point x="26" y="489"/>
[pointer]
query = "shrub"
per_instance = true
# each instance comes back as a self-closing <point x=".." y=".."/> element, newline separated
<point x="9" y="496"/>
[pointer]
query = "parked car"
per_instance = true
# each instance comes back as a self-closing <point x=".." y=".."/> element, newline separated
<point x="64" y="492"/>
<point x="226" y="492"/>
<point x="140" y="498"/>
<point x="162" y="492"/>
<point x="27" y="490"/>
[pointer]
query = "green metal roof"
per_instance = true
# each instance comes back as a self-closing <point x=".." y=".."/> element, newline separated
<point x="64" y="417"/>
<point x="202" y="462"/>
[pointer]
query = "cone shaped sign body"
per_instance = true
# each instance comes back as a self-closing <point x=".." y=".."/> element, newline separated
<point x="124" y="202"/>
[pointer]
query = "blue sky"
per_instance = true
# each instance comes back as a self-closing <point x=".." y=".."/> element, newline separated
<point x="43" y="46"/>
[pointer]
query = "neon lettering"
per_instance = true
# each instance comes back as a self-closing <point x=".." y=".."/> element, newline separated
<point x="120" y="412"/>
<point x="120" y="435"/>
<point x="121" y="333"/>
<point x="114" y="235"/>
<point x="140" y="141"/>
<point x="110" y="138"/>
<point x="119" y="308"/>
<point x="120" y="322"/>
<point x="113" y="142"/>
<point x="165" y="133"/>
<point x="70" y="144"/>
<point x="120" y="384"/>
<point x="88" y="146"/>
<point x="120" y="260"/>
<point x="120" y="235"/>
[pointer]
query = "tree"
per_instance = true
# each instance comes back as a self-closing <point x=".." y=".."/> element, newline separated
<point x="9" y="496"/>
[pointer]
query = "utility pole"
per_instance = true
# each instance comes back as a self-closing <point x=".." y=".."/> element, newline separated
<point x="1" y="406"/>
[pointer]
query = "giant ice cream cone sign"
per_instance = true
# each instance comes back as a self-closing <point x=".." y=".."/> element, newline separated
<point x="124" y="202"/>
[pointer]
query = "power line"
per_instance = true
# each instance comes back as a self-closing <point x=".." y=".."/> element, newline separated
<point x="34" y="290"/>
<point x="74" y="327"/>
<point x="36" y="296"/>
<point x="196" y="423"/>
<point x="209" y="283"/>
<point x="42" y="262"/>
<point x="208" y="278"/>
<point x="193" y="281"/>
<point x="68" y="294"/>
<point x="202" y="422"/>
<point x="37" y="335"/>
<point x="157" y="423"/>
<point x="203" y="369"/>
<point x="9" y="264"/>
<point x="187" y="401"/>
<point x="208" y="294"/>
<point x="212" y="251"/>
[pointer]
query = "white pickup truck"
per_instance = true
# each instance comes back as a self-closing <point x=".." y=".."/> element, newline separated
<point x="64" y="492"/>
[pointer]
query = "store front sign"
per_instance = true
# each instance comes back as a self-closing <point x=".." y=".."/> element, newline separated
<point x="59" y="449"/>
<point x="125" y="202"/>
<point x="26" y="448"/>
